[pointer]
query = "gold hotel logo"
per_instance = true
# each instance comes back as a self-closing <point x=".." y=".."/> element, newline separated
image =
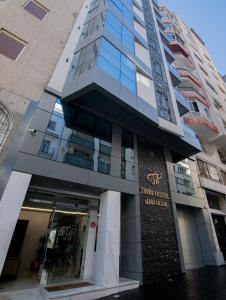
<point x="154" y="178"/>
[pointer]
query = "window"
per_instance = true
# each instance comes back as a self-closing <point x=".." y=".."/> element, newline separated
<point x="223" y="174"/>
<point x="128" y="160"/>
<point x="203" y="70"/>
<point x="117" y="65"/>
<point x="36" y="9"/>
<point x="115" y="27"/>
<point x="211" y="87"/>
<point x="52" y="125"/>
<point x="196" y="55"/>
<point x="10" y="45"/>
<point x="4" y="124"/>
<point x="209" y="171"/>
<point x="80" y="139"/>
<point x="123" y="11"/>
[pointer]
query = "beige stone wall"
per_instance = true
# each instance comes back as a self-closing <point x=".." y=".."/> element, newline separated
<point x="25" y="78"/>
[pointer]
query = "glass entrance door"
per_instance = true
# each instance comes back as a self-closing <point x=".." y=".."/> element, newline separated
<point x="65" y="246"/>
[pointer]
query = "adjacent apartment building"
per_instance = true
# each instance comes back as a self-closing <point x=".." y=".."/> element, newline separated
<point x="201" y="180"/>
<point x="99" y="182"/>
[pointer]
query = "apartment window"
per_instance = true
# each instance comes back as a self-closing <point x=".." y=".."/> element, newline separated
<point x="209" y="171"/>
<point x="203" y="70"/>
<point x="52" y="125"/>
<point x="211" y="87"/>
<point x="4" y="124"/>
<point x="10" y="45"/>
<point x="36" y="9"/>
<point x="223" y="91"/>
<point x="123" y="11"/>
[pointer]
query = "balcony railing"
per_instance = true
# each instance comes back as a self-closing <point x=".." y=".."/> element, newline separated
<point x="191" y="92"/>
<point x="184" y="72"/>
<point x="82" y="141"/>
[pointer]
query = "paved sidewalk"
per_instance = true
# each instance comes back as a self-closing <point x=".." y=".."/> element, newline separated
<point x="203" y="284"/>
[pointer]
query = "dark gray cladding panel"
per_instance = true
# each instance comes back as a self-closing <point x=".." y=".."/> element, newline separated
<point x="158" y="236"/>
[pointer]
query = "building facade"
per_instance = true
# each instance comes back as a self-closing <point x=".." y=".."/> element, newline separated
<point x="199" y="185"/>
<point x="89" y="178"/>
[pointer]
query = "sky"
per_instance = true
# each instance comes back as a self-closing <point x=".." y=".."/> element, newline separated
<point x="208" y="19"/>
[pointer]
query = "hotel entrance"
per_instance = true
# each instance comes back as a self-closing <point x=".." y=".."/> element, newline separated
<point x="63" y="255"/>
<point x="49" y="244"/>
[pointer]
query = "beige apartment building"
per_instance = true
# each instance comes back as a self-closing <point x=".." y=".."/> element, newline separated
<point x="32" y="35"/>
<point x="199" y="186"/>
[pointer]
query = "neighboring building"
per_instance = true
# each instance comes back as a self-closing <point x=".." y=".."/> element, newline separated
<point x="92" y="164"/>
<point x="199" y="186"/>
<point x="32" y="38"/>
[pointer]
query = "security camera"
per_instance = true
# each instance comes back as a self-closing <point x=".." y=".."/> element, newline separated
<point x="32" y="130"/>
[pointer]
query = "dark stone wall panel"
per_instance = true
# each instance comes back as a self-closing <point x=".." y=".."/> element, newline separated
<point x="160" y="257"/>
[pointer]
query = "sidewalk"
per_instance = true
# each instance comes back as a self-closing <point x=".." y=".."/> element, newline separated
<point x="203" y="284"/>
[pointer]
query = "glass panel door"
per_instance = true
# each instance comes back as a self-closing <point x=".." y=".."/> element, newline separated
<point x="64" y="248"/>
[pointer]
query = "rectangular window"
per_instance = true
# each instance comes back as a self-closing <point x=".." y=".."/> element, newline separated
<point x="211" y="87"/>
<point x="128" y="158"/>
<point x="117" y="65"/>
<point x="209" y="171"/>
<point x="10" y="45"/>
<point x="82" y="139"/>
<point x="52" y="125"/>
<point x="36" y="9"/>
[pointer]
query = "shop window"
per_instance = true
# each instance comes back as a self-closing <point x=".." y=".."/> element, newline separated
<point x="36" y="9"/>
<point x="10" y="45"/>
<point x="128" y="158"/>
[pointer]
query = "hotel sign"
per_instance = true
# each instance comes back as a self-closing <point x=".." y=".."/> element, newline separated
<point x="158" y="196"/>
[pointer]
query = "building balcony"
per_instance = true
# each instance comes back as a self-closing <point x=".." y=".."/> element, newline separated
<point x="182" y="61"/>
<point x="191" y="93"/>
<point x="164" y="37"/>
<point x="169" y="54"/>
<point x="188" y="79"/>
<point x="160" y="23"/>
<point x="201" y="125"/>
<point x="176" y="47"/>
<point x="182" y="103"/>
<point x="174" y="75"/>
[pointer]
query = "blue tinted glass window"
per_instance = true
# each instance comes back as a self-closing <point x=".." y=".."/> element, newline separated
<point x="126" y="81"/>
<point x="128" y="2"/>
<point x="113" y="25"/>
<point x="127" y="39"/>
<point x="117" y="65"/>
<point x="109" y="68"/>
<point x="128" y="17"/>
<point x="117" y="4"/>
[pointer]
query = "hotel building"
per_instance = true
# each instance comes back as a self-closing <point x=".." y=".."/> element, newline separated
<point x="90" y="190"/>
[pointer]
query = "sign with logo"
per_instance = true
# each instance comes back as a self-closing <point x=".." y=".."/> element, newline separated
<point x="154" y="178"/>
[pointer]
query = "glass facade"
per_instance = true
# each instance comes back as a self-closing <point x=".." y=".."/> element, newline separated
<point x="119" y="31"/>
<point x="128" y="158"/>
<point x="117" y="65"/>
<point x="85" y="142"/>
